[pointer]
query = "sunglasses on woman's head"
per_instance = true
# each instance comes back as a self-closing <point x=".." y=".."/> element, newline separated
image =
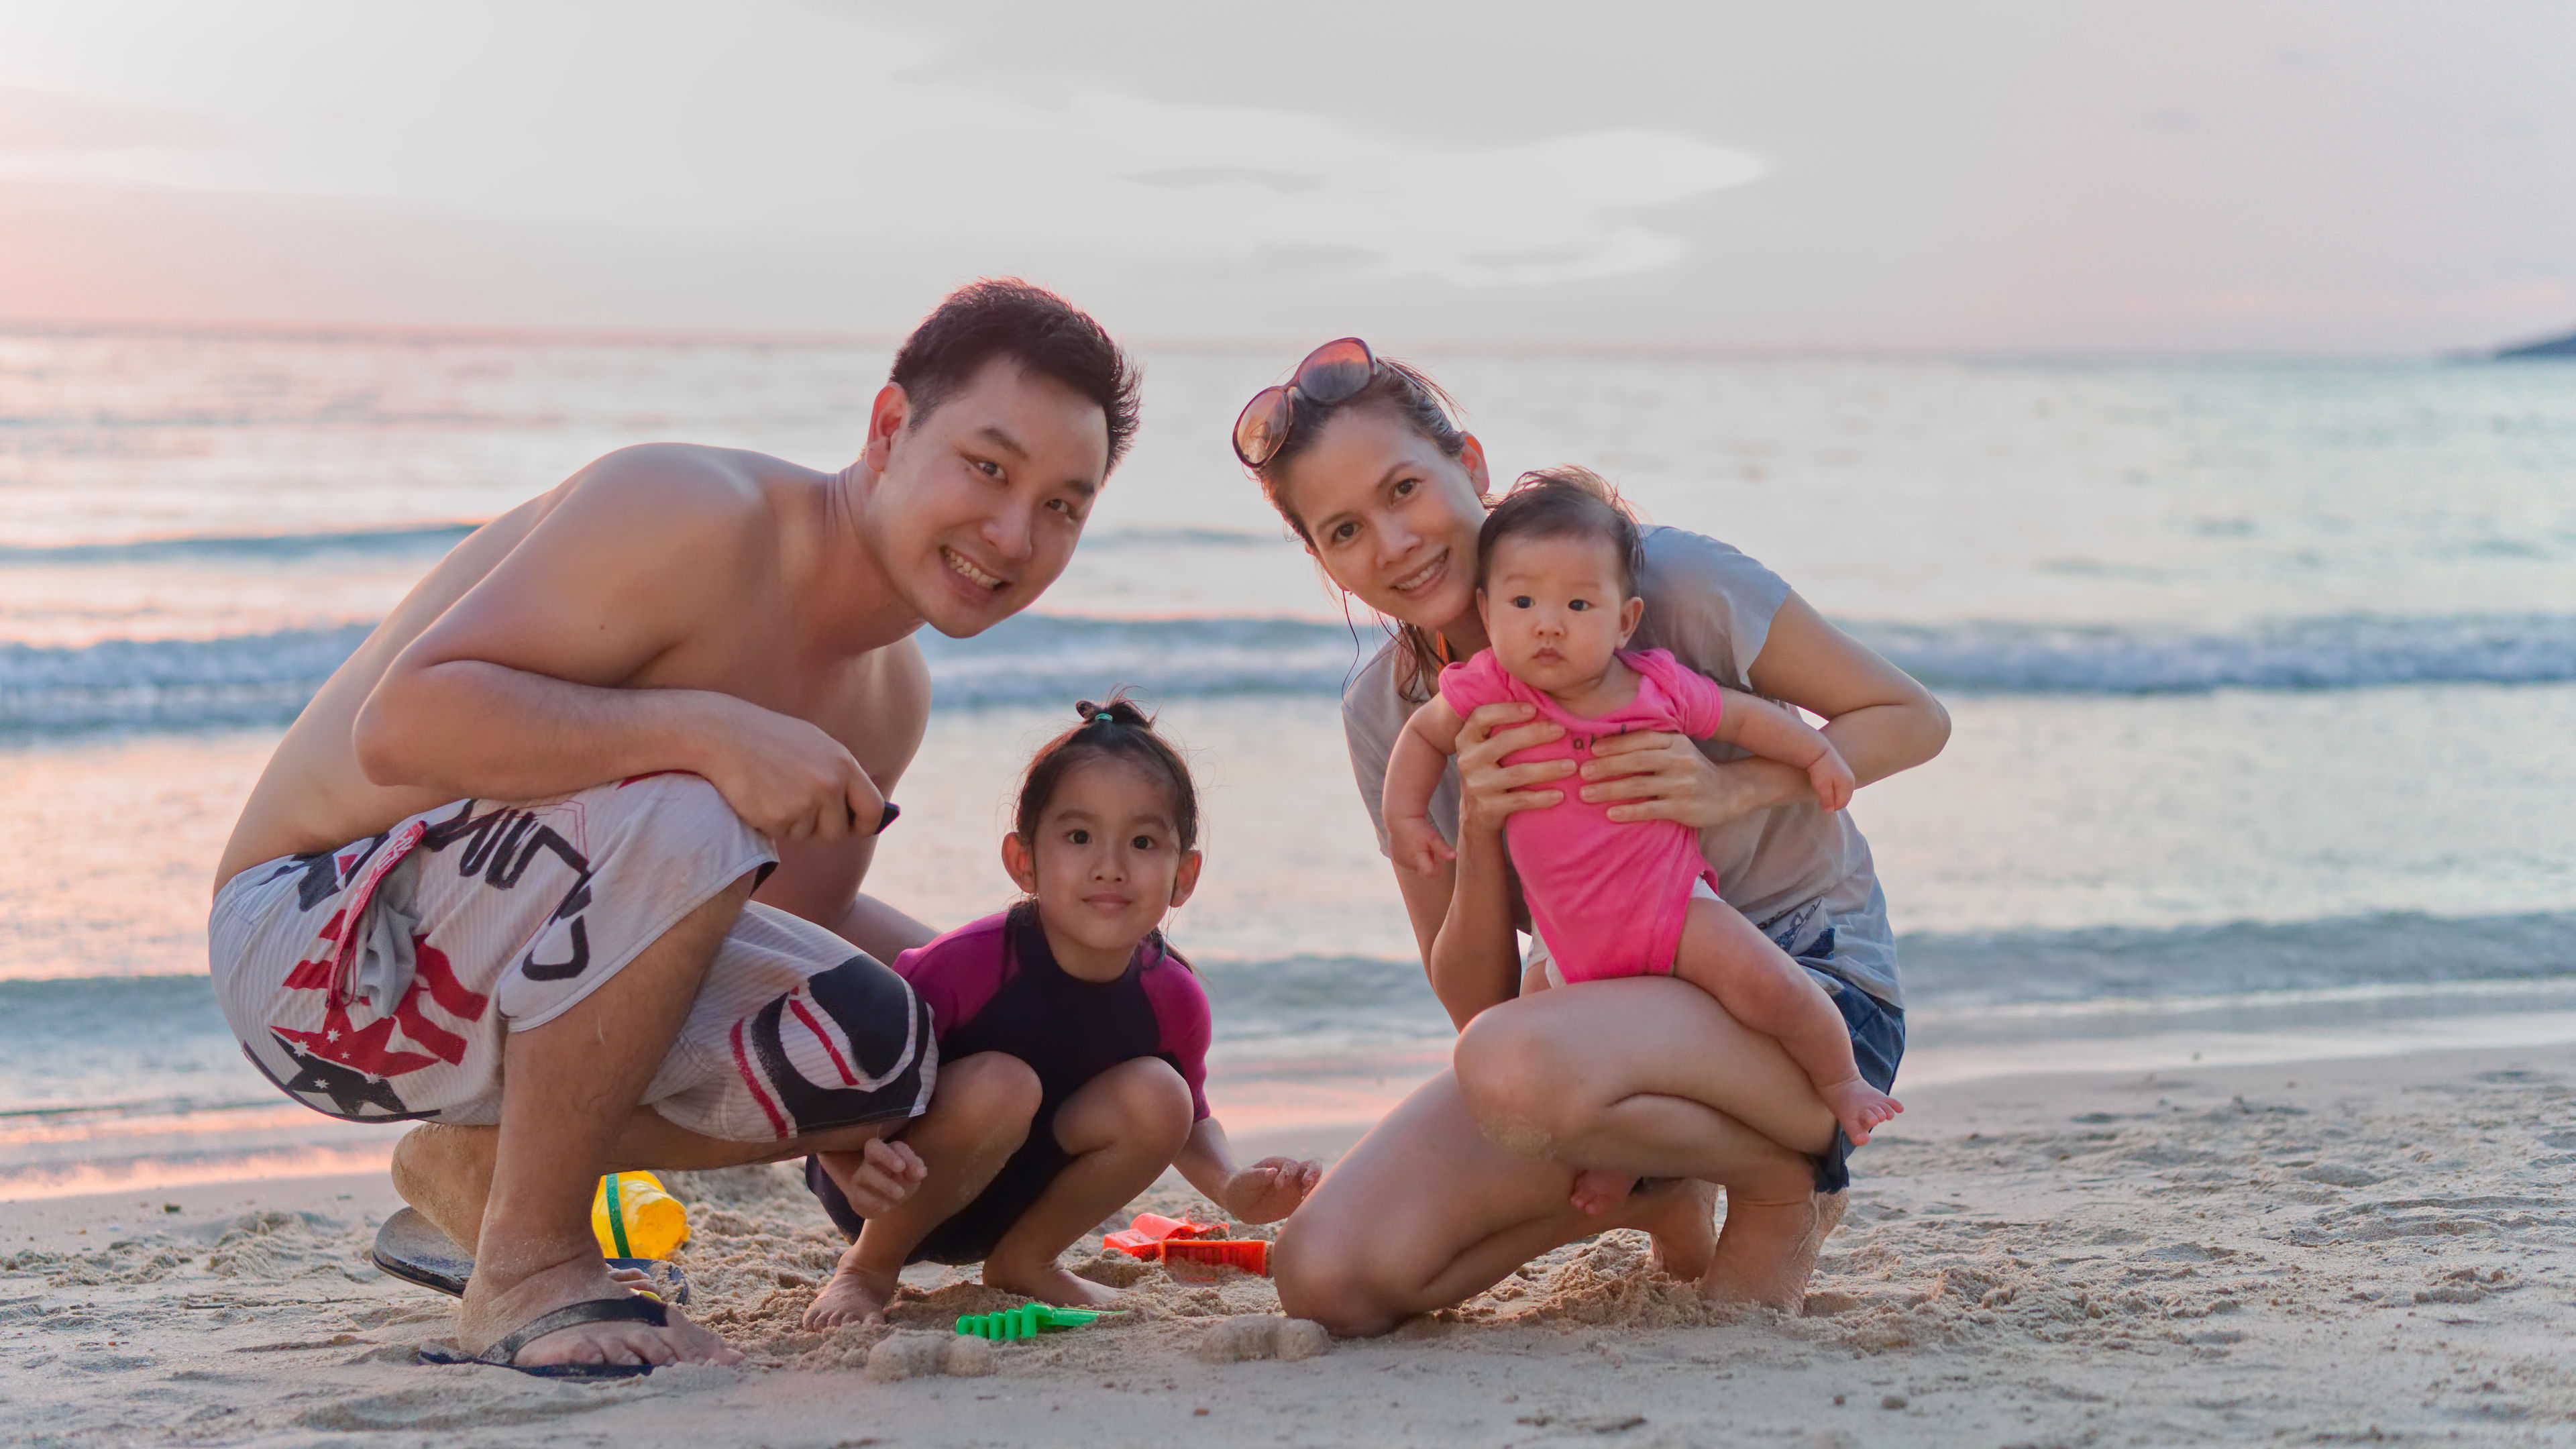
<point x="1332" y="373"/>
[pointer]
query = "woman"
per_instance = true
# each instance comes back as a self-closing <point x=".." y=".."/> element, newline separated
<point x="1472" y="1175"/>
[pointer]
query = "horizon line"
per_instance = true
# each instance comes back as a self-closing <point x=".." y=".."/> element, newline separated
<point x="436" y="334"/>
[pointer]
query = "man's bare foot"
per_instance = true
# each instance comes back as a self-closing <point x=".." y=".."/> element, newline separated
<point x="1681" y="1216"/>
<point x="1597" y="1191"/>
<point x="1859" y="1107"/>
<point x="1047" y="1282"/>
<point x="855" y="1295"/>
<point x="1766" y="1252"/>
<point x="491" y="1313"/>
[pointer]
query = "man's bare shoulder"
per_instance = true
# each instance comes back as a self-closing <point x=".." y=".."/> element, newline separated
<point x="689" y="486"/>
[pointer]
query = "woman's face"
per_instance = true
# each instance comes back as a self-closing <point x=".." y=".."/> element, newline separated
<point x="1390" y="517"/>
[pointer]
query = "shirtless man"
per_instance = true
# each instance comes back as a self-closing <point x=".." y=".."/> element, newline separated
<point x="588" y="814"/>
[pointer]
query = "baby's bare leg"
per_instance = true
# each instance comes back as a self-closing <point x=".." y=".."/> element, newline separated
<point x="1724" y="955"/>
<point x="979" y="1115"/>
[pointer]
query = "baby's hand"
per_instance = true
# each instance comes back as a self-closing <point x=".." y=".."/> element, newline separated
<point x="1417" y="845"/>
<point x="1831" y="777"/>
<point x="1270" y="1189"/>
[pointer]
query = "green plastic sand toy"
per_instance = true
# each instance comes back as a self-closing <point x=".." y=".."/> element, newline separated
<point x="1028" y="1321"/>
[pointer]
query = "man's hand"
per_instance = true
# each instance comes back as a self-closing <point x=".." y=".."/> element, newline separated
<point x="886" y="1174"/>
<point x="788" y="779"/>
<point x="1270" y="1189"/>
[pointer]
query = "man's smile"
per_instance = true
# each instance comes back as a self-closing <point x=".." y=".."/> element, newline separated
<point x="965" y="568"/>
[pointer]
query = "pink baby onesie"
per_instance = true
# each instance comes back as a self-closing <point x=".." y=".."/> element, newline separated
<point x="1608" y="897"/>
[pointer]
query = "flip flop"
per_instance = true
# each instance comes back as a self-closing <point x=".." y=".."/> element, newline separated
<point x="411" y="1248"/>
<point x="629" y="1309"/>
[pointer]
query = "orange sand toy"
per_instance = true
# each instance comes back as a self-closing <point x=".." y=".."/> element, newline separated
<point x="1189" y="1249"/>
<point x="1145" y="1237"/>
<point x="1202" y="1257"/>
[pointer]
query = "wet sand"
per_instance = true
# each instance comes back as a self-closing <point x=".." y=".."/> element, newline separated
<point x="2378" y="1250"/>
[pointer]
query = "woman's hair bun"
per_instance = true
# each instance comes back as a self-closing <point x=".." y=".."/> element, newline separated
<point x="1116" y="709"/>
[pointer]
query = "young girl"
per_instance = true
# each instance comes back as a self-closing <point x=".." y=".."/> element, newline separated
<point x="1556" y="585"/>
<point x="1072" y="1041"/>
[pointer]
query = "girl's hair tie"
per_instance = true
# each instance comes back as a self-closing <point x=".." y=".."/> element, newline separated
<point x="1102" y="718"/>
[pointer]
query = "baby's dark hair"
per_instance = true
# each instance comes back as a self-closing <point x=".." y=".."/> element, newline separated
<point x="1114" y="729"/>
<point x="1564" y="502"/>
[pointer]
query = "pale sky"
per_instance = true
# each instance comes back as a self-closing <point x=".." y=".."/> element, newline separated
<point x="2058" y="176"/>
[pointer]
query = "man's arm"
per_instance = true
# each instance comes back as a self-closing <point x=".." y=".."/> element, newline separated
<point x="517" y="691"/>
<point x="882" y="712"/>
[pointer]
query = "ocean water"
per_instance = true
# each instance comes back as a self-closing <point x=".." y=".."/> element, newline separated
<point x="2263" y="677"/>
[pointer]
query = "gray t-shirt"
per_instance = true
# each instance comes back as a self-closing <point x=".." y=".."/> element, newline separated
<point x="1712" y="607"/>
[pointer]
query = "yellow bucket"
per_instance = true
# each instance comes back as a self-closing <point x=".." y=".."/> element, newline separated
<point x="634" y="1218"/>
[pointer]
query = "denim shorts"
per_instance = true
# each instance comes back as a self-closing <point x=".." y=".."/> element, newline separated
<point x="1878" y="1041"/>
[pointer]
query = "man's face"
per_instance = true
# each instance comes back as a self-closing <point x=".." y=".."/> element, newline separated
<point x="977" y="505"/>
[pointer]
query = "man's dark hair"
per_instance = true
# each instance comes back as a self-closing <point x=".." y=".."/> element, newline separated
<point x="1046" y="335"/>
<point x="1564" y="502"/>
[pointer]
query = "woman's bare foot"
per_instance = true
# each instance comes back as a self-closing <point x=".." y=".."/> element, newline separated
<point x="855" y="1295"/>
<point x="1597" y="1191"/>
<point x="1766" y="1252"/>
<point x="492" y="1312"/>
<point x="1859" y="1107"/>
<point x="1047" y="1282"/>
<point x="1681" y="1216"/>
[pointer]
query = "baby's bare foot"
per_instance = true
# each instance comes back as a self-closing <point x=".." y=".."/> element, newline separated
<point x="855" y="1295"/>
<point x="1597" y="1191"/>
<point x="1048" y="1283"/>
<point x="1860" y="1107"/>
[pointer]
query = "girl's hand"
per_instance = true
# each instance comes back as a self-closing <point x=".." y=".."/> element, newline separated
<point x="884" y="1175"/>
<point x="1832" y="777"/>
<point x="1270" y="1189"/>
<point x="1489" y="790"/>
<point x="1417" y="846"/>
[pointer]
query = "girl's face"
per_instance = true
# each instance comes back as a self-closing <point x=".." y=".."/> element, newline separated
<point x="1390" y="517"/>
<point x="1105" y="865"/>
<point x="1555" y="611"/>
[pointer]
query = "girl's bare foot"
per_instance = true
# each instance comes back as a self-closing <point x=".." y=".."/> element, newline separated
<point x="1859" y="1107"/>
<point x="1597" y="1191"/>
<point x="1766" y="1252"/>
<point x="855" y="1295"/>
<point x="1048" y="1283"/>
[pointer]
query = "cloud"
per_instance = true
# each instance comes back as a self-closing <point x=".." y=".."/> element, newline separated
<point x="685" y="120"/>
<point x="41" y="121"/>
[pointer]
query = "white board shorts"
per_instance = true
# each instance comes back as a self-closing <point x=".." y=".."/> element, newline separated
<point x="379" y="982"/>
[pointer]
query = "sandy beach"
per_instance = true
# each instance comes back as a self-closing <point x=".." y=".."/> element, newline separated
<point x="2374" y="1251"/>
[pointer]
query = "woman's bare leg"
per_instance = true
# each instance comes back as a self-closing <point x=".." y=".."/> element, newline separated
<point x="1427" y="1210"/>
<point x="1652" y="1078"/>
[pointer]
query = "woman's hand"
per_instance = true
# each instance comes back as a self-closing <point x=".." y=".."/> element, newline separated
<point x="1653" y="775"/>
<point x="1489" y="790"/>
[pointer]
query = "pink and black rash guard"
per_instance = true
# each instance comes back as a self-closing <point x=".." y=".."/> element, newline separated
<point x="993" y="986"/>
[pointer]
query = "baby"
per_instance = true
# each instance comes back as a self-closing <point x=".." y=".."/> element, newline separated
<point x="1556" y="585"/>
